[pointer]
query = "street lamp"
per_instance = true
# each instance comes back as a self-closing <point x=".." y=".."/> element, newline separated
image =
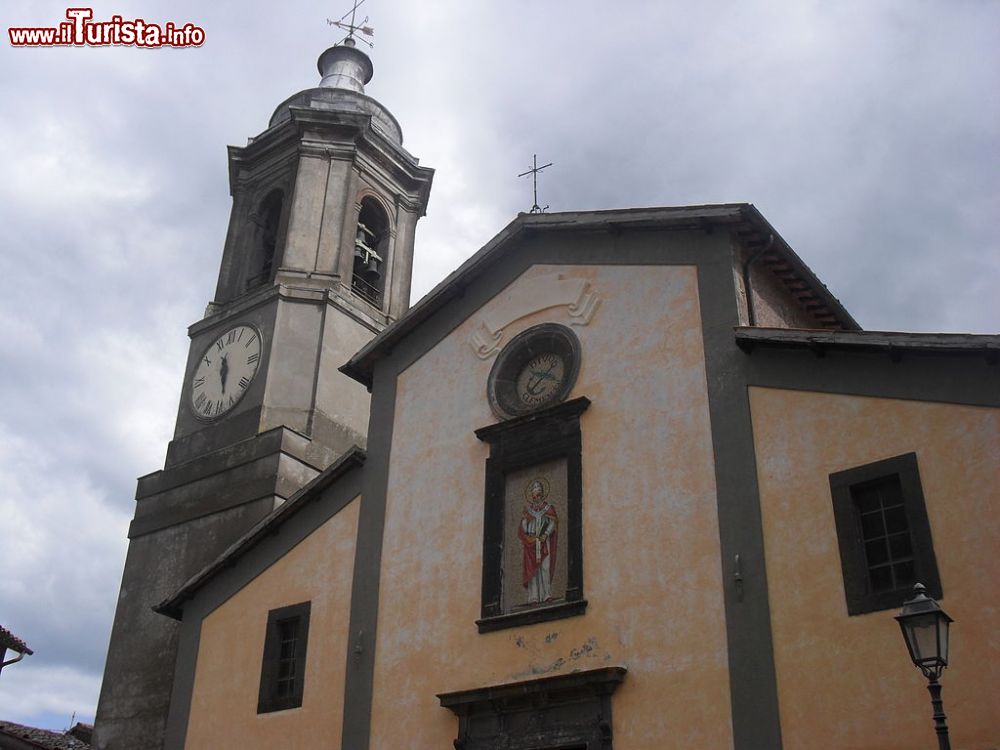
<point x="925" y="630"/>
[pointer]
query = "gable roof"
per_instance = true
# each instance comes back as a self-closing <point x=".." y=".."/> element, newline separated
<point x="173" y="606"/>
<point x="742" y="218"/>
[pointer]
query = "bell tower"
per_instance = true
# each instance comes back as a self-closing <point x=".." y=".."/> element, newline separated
<point x="317" y="260"/>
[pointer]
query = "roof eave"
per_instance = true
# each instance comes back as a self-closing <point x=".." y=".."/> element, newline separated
<point x="890" y="342"/>
<point x="846" y="320"/>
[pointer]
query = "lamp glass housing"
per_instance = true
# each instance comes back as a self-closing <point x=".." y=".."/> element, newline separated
<point x="925" y="630"/>
<point x="927" y="639"/>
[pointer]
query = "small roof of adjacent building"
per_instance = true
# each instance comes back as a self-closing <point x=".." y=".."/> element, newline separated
<point x="10" y="641"/>
<point x="20" y="736"/>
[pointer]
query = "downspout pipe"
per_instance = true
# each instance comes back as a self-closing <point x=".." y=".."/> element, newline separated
<point x="751" y="314"/>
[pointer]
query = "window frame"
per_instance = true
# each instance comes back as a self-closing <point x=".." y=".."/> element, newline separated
<point x="268" y="699"/>
<point x="522" y="442"/>
<point x="860" y="600"/>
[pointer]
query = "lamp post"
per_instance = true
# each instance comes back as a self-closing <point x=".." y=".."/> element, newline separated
<point x="925" y="630"/>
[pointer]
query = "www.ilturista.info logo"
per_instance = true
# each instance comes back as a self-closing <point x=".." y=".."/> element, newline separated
<point x="81" y="31"/>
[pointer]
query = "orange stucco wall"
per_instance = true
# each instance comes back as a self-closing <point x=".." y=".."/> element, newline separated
<point x="650" y="537"/>
<point x="846" y="682"/>
<point x="227" y="676"/>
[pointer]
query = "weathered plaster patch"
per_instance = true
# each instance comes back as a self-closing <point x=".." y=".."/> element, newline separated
<point x="589" y="650"/>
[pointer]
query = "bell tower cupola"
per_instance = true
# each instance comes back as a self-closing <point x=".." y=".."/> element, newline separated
<point x="327" y="196"/>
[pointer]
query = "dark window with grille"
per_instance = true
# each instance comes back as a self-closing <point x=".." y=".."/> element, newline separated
<point x="288" y="637"/>
<point x="883" y="533"/>
<point x="282" y="671"/>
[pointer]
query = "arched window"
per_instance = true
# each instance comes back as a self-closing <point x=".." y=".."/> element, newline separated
<point x="266" y="220"/>
<point x="371" y="243"/>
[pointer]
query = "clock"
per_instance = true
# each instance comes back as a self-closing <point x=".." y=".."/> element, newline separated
<point x="536" y="369"/>
<point x="225" y="372"/>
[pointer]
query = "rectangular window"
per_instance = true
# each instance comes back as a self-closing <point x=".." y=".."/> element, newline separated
<point x="283" y="665"/>
<point x="288" y="633"/>
<point x="883" y="534"/>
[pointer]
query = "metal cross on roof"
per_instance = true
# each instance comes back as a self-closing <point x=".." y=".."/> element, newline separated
<point x="535" y="169"/>
<point x="353" y="27"/>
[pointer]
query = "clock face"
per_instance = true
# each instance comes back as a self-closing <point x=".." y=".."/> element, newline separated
<point x="536" y="369"/>
<point x="540" y="378"/>
<point x="225" y="371"/>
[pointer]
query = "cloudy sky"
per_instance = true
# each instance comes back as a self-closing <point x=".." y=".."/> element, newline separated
<point x="866" y="131"/>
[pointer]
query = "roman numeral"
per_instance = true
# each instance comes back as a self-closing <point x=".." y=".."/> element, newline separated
<point x="252" y="358"/>
<point x="199" y="382"/>
<point x="244" y="382"/>
<point x="250" y="341"/>
<point x="219" y="345"/>
<point x="218" y="406"/>
<point x="202" y="398"/>
<point x="232" y="400"/>
<point x="231" y="337"/>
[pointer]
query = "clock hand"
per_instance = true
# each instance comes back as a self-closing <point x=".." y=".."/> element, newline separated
<point x="535" y="384"/>
<point x="223" y="372"/>
<point x="538" y="376"/>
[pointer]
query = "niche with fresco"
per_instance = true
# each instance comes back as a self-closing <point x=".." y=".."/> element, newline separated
<point x="532" y="566"/>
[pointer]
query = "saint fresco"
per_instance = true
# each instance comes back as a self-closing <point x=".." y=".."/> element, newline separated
<point x="534" y="570"/>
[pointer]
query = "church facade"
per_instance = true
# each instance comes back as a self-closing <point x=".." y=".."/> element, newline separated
<point x="626" y="479"/>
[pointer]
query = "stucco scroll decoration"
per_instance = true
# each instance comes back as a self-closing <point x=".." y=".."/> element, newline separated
<point x="530" y="296"/>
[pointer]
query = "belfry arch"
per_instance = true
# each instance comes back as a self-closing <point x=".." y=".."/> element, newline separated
<point x="266" y="220"/>
<point x="371" y="251"/>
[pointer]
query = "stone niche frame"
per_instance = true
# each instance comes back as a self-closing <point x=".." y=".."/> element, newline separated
<point x="570" y="712"/>
<point x="547" y="435"/>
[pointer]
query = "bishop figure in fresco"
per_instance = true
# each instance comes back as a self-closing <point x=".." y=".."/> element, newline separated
<point x="538" y="532"/>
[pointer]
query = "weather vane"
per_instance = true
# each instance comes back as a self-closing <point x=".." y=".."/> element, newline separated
<point x="535" y="169"/>
<point x="353" y="27"/>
